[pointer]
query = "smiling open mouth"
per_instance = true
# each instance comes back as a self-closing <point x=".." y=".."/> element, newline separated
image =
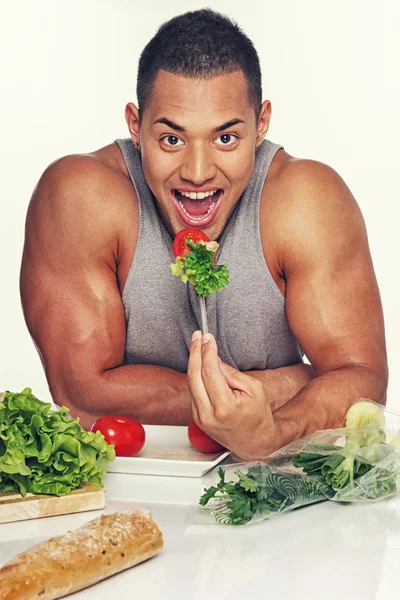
<point x="197" y="206"/>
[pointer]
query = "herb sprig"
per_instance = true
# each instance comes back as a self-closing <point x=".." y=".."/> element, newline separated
<point x="262" y="490"/>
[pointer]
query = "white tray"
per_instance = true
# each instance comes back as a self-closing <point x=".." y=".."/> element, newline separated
<point x="167" y="451"/>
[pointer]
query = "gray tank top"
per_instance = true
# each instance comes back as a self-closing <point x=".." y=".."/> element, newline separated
<point x="247" y="318"/>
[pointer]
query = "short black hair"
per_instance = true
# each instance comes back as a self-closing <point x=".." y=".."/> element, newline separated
<point x="199" y="44"/>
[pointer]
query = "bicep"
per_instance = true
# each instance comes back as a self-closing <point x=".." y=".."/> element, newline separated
<point x="69" y="290"/>
<point x="77" y="321"/>
<point x="332" y="298"/>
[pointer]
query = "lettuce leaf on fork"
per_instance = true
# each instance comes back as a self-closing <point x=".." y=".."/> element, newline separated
<point x="198" y="268"/>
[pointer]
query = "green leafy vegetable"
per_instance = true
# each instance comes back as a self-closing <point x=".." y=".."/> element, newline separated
<point x="261" y="490"/>
<point x="46" y="452"/>
<point x="379" y="483"/>
<point x="197" y="268"/>
<point x="365" y="447"/>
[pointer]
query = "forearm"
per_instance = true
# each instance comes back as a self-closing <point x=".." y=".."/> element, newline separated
<point x="158" y="395"/>
<point x="281" y="385"/>
<point x="147" y="393"/>
<point x="324" y="401"/>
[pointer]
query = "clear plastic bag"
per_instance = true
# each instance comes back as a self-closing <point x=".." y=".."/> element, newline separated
<point x="359" y="464"/>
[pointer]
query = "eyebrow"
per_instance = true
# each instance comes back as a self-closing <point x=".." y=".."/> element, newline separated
<point x="177" y="127"/>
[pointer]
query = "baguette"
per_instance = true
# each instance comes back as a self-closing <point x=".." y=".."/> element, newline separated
<point x="71" y="562"/>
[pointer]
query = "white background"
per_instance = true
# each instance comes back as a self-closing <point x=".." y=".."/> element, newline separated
<point x="68" y="69"/>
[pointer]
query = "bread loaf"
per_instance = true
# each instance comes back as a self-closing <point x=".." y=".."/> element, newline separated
<point x="66" y="564"/>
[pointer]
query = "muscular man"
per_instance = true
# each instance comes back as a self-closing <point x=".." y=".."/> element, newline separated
<point x="114" y="328"/>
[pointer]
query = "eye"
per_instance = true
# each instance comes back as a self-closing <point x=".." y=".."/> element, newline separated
<point x="227" y="139"/>
<point x="171" y="140"/>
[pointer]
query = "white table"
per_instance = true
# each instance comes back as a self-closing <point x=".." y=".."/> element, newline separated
<point x="320" y="552"/>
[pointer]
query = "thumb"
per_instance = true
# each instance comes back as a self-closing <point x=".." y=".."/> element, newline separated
<point x="235" y="378"/>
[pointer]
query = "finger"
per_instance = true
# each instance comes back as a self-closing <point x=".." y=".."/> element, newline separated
<point x="235" y="379"/>
<point x="214" y="381"/>
<point x="201" y="406"/>
<point x="195" y="412"/>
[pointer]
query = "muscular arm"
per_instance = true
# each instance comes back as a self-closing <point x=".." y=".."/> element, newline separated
<point x="72" y="302"/>
<point x="332" y="300"/>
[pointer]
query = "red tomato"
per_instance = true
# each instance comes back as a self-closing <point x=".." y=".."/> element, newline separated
<point x="126" y="434"/>
<point x="200" y="440"/>
<point x="179" y="247"/>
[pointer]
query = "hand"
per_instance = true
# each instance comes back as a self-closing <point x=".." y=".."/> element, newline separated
<point x="229" y="405"/>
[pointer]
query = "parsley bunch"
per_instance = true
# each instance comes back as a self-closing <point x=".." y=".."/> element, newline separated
<point x="197" y="268"/>
<point x="262" y="490"/>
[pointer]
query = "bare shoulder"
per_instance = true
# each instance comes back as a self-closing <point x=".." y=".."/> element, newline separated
<point x="88" y="181"/>
<point x="307" y="208"/>
<point x="85" y="197"/>
<point x="309" y="185"/>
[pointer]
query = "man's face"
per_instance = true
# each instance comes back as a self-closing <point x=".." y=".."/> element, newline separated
<point x="197" y="141"/>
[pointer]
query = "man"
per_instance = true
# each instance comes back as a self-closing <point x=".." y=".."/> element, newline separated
<point x="114" y="328"/>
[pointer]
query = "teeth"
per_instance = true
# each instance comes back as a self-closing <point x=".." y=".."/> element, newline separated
<point x="198" y="195"/>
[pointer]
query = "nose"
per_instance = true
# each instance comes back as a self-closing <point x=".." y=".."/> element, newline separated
<point x="198" y="165"/>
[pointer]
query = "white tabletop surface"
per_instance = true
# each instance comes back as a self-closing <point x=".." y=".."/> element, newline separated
<point x="321" y="552"/>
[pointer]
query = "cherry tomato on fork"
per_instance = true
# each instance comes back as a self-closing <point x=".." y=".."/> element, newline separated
<point x="179" y="247"/>
<point x="127" y="435"/>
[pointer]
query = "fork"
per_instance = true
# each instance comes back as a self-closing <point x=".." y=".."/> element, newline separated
<point x="203" y="315"/>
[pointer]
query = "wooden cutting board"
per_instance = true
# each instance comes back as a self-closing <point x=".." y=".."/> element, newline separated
<point x="13" y="507"/>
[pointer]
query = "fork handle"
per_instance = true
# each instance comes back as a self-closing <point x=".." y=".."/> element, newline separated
<point x="203" y="315"/>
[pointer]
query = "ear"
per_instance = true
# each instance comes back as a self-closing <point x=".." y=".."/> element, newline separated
<point x="132" y="119"/>
<point x="263" y="121"/>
